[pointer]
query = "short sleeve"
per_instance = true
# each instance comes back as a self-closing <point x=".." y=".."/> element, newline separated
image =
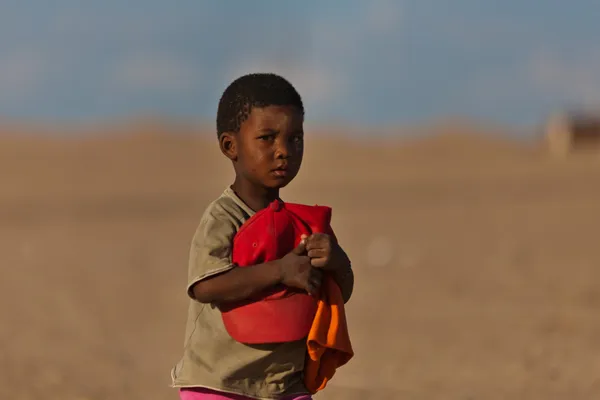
<point x="210" y="252"/>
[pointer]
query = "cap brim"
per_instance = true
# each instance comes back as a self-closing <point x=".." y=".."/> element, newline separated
<point x="284" y="319"/>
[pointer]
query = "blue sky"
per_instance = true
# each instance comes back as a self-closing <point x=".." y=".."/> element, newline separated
<point x="365" y="62"/>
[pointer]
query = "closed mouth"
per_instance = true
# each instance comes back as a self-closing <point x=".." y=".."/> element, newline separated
<point x="283" y="168"/>
<point x="281" y="171"/>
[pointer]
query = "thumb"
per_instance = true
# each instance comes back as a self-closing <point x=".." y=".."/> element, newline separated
<point x="301" y="248"/>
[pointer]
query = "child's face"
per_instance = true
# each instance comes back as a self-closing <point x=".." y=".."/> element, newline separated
<point x="270" y="145"/>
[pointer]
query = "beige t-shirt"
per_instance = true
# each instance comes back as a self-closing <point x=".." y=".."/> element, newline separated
<point x="211" y="358"/>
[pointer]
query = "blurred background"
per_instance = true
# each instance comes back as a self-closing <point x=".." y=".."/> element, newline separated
<point x="441" y="133"/>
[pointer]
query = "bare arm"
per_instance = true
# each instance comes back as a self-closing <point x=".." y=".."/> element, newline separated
<point x="344" y="276"/>
<point x="293" y="270"/>
<point x="345" y="280"/>
<point x="238" y="283"/>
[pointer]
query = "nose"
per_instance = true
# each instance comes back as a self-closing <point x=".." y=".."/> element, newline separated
<point x="282" y="149"/>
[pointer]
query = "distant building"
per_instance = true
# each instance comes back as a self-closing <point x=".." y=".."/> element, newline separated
<point x="566" y="133"/>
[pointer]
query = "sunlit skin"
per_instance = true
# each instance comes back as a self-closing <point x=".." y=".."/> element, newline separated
<point x="266" y="153"/>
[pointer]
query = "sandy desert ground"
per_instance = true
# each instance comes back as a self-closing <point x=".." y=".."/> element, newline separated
<point x="477" y="262"/>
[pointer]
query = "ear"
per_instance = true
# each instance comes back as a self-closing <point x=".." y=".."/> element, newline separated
<point x="228" y="145"/>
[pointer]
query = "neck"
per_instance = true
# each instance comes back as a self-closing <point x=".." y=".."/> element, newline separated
<point x="256" y="198"/>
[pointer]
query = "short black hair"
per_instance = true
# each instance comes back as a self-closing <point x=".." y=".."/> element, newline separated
<point x="253" y="90"/>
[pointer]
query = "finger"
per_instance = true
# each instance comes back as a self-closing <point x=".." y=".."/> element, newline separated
<point x="318" y="262"/>
<point x="305" y="258"/>
<point x="316" y="241"/>
<point x="316" y="253"/>
<point x="301" y="248"/>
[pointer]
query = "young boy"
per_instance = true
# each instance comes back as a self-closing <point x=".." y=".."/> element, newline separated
<point x="260" y="129"/>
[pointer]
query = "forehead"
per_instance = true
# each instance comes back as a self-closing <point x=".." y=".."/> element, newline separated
<point x="274" y="117"/>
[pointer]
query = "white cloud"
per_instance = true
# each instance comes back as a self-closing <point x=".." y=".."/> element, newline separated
<point x="156" y="72"/>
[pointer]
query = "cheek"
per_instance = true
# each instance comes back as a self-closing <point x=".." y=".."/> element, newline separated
<point x="254" y="159"/>
<point x="299" y="149"/>
<point x="260" y="156"/>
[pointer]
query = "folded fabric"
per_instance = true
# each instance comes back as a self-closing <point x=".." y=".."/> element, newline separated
<point x="328" y="343"/>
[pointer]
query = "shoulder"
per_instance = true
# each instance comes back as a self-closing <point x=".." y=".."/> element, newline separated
<point x="224" y="207"/>
<point x="222" y="217"/>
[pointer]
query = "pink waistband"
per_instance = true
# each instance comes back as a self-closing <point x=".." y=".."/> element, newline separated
<point x="208" y="394"/>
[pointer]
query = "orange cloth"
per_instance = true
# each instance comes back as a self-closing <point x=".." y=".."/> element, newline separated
<point x="328" y="341"/>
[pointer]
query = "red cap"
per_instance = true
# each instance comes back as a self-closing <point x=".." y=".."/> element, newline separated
<point x="280" y="314"/>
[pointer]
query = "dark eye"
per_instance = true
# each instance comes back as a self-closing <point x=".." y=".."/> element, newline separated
<point x="267" y="138"/>
<point x="298" y="139"/>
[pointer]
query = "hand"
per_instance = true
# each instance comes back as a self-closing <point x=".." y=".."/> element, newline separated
<point x="324" y="252"/>
<point x="297" y="271"/>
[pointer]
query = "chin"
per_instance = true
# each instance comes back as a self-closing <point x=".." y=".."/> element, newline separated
<point x="278" y="184"/>
<point x="273" y="183"/>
